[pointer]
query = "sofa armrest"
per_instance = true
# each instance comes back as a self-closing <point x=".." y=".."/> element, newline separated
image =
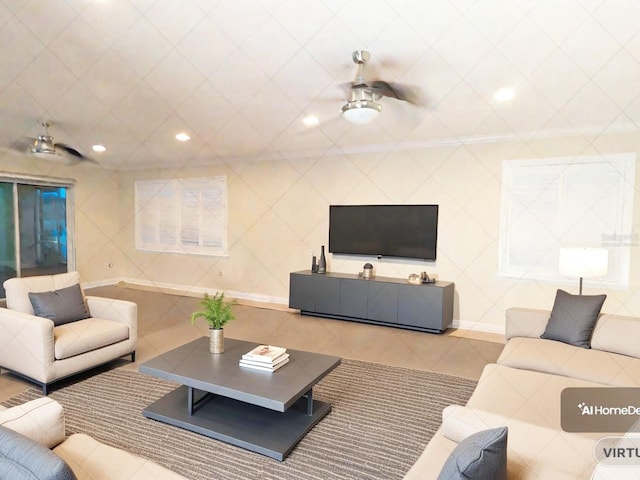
<point x="41" y="420"/>
<point x="525" y="322"/>
<point x="116" y="310"/>
<point x="459" y="422"/>
<point x="26" y="343"/>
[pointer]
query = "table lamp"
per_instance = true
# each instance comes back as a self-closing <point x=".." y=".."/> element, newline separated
<point x="583" y="262"/>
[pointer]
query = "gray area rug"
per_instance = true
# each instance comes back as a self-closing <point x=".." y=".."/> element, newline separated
<point x="382" y="419"/>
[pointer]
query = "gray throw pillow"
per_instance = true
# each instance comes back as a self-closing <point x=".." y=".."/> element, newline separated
<point x="24" y="459"/>
<point x="62" y="306"/>
<point x="573" y="318"/>
<point x="481" y="456"/>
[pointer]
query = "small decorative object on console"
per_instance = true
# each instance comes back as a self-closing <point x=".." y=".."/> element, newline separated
<point x="367" y="271"/>
<point x="322" y="263"/>
<point x="427" y="278"/>
<point x="415" y="279"/>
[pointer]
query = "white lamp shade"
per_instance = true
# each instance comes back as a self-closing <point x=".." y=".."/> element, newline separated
<point x="584" y="262"/>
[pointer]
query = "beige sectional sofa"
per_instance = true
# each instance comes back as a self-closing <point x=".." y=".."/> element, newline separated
<point x="522" y="391"/>
<point x="41" y="421"/>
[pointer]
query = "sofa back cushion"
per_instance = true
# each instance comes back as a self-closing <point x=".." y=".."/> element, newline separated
<point x="612" y="333"/>
<point x="617" y="334"/>
<point x="18" y="289"/>
<point x="559" y="358"/>
<point x="26" y="459"/>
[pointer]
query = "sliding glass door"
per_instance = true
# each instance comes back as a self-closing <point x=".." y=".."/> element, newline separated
<point x="7" y="235"/>
<point x="39" y="215"/>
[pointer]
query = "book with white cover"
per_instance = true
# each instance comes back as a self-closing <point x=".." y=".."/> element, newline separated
<point x="265" y="353"/>
<point x="277" y="361"/>
<point x="263" y="367"/>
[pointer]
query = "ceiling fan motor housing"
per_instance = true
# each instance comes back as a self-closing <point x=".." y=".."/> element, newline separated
<point x="43" y="144"/>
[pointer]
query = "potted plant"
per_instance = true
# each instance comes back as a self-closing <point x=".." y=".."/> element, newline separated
<point x="217" y="313"/>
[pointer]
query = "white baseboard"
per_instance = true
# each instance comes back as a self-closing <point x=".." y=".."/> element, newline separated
<point x="478" y="327"/>
<point x="192" y="291"/>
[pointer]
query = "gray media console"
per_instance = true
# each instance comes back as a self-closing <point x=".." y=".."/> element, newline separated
<point x="381" y="300"/>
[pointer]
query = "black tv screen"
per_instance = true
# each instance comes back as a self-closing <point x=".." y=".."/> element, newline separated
<point x="408" y="231"/>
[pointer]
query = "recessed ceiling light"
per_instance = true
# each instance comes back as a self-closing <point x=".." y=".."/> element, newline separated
<point x="310" y="121"/>
<point x="99" y="148"/>
<point x="504" y="95"/>
<point x="183" y="137"/>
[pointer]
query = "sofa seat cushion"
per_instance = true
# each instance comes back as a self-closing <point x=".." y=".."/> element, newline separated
<point x="529" y="396"/>
<point x="85" y="335"/>
<point x="92" y="460"/>
<point x="26" y="459"/>
<point x="558" y="358"/>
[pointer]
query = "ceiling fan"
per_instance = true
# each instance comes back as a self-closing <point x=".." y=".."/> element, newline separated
<point x="43" y="147"/>
<point x="363" y="107"/>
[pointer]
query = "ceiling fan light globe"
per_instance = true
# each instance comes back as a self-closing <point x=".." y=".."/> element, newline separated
<point x="361" y="112"/>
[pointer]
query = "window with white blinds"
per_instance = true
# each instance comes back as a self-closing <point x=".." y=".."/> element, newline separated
<point x="551" y="203"/>
<point x="187" y="215"/>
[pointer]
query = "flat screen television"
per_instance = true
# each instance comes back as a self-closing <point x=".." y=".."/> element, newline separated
<point x="407" y="231"/>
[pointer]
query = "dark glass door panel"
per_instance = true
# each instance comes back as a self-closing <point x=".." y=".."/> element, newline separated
<point x="42" y="213"/>
<point x="7" y="235"/>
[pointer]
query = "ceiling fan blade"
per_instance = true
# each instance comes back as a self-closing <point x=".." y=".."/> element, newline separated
<point x="23" y="145"/>
<point x="73" y="154"/>
<point x="396" y="90"/>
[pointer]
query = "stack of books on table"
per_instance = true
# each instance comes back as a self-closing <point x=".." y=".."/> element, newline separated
<point x="266" y="358"/>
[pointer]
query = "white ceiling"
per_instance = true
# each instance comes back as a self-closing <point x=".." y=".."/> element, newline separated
<point x="240" y="75"/>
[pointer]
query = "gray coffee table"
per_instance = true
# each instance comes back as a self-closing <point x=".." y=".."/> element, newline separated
<point x="265" y="412"/>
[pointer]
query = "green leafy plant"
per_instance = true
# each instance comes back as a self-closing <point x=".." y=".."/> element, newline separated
<point x="215" y="311"/>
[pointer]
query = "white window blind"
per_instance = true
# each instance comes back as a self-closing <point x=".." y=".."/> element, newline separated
<point x="182" y="215"/>
<point x="551" y="203"/>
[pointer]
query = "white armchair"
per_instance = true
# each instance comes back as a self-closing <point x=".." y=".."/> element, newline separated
<point x="38" y="350"/>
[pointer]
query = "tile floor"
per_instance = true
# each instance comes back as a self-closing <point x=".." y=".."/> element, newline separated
<point x="163" y="323"/>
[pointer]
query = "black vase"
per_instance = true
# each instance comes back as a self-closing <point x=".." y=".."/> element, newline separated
<point x="322" y="263"/>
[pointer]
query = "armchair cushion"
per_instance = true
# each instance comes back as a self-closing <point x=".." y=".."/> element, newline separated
<point x="85" y="335"/>
<point x="21" y="457"/>
<point x="62" y="306"/>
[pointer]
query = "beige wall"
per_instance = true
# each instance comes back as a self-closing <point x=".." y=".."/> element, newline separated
<point x="278" y="215"/>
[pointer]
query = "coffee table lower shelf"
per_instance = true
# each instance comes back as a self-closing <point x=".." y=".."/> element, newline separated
<point x="254" y="428"/>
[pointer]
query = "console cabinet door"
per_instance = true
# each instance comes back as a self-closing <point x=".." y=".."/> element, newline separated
<point x="420" y="306"/>
<point x="327" y="294"/>
<point x="302" y="292"/>
<point x="383" y="302"/>
<point x="353" y="298"/>
<point x="314" y="293"/>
